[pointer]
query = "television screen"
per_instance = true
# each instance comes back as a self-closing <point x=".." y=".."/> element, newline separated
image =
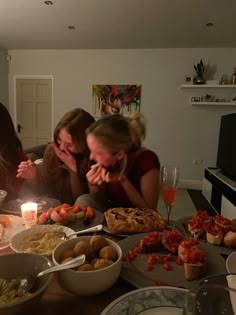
<point x="226" y="157"/>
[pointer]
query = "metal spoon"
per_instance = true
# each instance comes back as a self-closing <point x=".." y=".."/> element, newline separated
<point x="96" y="228"/>
<point x="27" y="282"/>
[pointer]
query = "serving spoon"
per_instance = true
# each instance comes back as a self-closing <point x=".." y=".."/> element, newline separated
<point x="26" y="283"/>
<point x="96" y="228"/>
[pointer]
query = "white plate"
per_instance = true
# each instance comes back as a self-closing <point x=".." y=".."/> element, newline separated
<point x="18" y="239"/>
<point x="231" y="263"/>
<point x="151" y="301"/>
<point x="16" y="225"/>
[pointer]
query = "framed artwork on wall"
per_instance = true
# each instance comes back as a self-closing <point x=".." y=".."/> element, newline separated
<point x="116" y="99"/>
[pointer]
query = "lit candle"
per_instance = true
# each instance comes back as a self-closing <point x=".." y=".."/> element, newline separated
<point x="29" y="213"/>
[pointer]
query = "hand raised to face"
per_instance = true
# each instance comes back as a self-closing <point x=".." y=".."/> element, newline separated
<point x="66" y="157"/>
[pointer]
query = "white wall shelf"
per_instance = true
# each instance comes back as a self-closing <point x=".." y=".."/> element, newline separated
<point x="213" y="86"/>
<point x="214" y="103"/>
<point x="208" y="86"/>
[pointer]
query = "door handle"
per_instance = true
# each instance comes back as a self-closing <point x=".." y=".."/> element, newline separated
<point x="18" y="128"/>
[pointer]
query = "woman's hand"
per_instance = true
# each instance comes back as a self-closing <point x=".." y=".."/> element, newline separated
<point x="114" y="177"/>
<point x="66" y="157"/>
<point x="96" y="175"/>
<point x="27" y="170"/>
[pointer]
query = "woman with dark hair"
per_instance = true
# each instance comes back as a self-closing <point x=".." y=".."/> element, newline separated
<point x="10" y="155"/>
<point x="65" y="162"/>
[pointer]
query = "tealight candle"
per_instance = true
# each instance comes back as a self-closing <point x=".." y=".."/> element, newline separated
<point x="29" y="213"/>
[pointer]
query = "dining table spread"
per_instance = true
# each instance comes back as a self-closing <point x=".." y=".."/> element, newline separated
<point x="57" y="301"/>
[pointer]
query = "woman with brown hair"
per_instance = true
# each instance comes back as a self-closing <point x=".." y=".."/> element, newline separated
<point x="65" y="162"/>
<point x="127" y="174"/>
<point x="10" y="155"/>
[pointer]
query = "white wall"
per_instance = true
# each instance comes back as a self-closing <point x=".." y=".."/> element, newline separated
<point x="177" y="131"/>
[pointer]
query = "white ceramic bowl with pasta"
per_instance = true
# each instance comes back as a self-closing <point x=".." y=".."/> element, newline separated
<point x="16" y="265"/>
<point x="40" y="239"/>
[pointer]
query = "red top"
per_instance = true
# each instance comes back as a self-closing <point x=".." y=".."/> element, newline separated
<point x="145" y="161"/>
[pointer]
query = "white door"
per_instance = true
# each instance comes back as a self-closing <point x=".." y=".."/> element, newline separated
<point x="34" y="111"/>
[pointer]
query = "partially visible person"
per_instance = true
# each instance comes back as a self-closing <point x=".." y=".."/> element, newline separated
<point x="65" y="161"/>
<point x="11" y="154"/>
<point x="127" y="174"/>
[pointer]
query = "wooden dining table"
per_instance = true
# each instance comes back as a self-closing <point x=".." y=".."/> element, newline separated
<point x="57" y="301"/>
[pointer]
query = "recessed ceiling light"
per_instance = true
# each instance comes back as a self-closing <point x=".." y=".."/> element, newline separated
<point x="71" y="27"/>
<point x="48" y="2"/>
<point x="209" y="24"/>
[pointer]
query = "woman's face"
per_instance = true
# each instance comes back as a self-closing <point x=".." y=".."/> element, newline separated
<point x="65" y="142"/>
<point x="99" y="154"/>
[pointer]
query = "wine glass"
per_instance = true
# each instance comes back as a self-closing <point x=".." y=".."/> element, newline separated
<point x="169" y="181"/>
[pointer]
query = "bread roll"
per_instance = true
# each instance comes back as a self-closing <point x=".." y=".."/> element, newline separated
<point x="230" y="239"/>
<point x="195" y="271"/>
<point x="214" y="239"/>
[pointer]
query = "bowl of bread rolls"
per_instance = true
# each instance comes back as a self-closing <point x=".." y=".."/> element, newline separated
<point x="100" y="270"/>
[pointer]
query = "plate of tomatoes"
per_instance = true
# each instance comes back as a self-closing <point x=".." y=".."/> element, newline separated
<point x="161" y="266"/>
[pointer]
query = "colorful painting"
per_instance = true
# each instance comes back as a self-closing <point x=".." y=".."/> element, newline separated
<point x="116" y="99"/>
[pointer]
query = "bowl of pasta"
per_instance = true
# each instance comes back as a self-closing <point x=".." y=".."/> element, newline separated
<point x="13" y="266"/>
<point x="40" y="239"/>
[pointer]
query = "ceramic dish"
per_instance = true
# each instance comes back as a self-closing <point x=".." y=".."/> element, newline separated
<point x="151" y="301"/>
<point x="80" y="225"/>
<point x="37" y="243"/>
<point x="135" y="272"/>
<point x="213" y="296"/>
<point x="182" y="226"/>
<point x="16" y="225"/>
<point x="106" y="229"/>
<point x="231" y="263"/>
<point x="44" y="203"/>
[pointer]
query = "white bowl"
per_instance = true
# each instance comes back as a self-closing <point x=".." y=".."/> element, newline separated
<point x="13" y="266"/>
<point x="3" y="194"/>
<point x="231" y="263"/>
<point x="87" y="283"/>
<point x="19" y="239"/>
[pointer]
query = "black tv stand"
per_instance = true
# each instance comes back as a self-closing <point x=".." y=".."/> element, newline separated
<point x="220" y="191"/>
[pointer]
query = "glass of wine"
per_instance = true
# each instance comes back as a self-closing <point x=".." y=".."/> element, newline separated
<point x="169" y="181"/>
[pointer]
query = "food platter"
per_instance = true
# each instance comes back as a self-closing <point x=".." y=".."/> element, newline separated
<point x="107" y="230"/>
<point x="79" y="225"/>
<point x="44" y="203"/>
<point x="151" y="301"/>
<point x="16" y="225"/>
<point x="135" y="273"/>
<point x="182" y="226"/>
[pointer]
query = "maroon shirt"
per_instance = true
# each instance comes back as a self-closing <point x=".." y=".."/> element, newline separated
<point x="145" y="161"/>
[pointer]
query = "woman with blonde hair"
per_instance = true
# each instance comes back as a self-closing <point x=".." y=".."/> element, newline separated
<point x="65" y="162"/>
<point x="126" y="173"/>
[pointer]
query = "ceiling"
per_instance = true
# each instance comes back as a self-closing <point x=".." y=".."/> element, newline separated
<point x="117" y="24"/>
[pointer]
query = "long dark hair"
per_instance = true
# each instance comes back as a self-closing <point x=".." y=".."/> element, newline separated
<point x="10" y="145"/>
<point x="76" y="121"/>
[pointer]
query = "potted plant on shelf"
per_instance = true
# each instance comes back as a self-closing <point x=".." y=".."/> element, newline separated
<point x="200" y="69"/>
